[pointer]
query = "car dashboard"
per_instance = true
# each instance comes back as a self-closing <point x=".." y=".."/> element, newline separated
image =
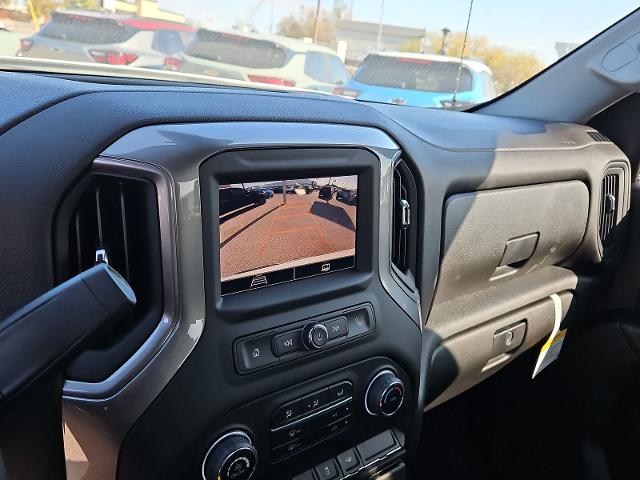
<point x="475" y="235"/>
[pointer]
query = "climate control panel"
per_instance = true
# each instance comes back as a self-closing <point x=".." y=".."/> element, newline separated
<point x="336" y="414"/>
<point x="310" y="419"/>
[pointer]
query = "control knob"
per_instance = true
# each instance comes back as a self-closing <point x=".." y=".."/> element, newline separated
<point x="385" y="394"/>
<point x="314" y="335"/>
<point x="231" y="457"/>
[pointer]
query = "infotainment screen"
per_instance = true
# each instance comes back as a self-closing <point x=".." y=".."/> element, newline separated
<point x="279" y="231"/>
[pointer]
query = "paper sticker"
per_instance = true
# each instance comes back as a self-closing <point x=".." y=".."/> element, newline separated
<point x="550" y="351"/>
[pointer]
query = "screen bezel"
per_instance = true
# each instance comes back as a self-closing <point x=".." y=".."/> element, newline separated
<point x="257" y="165"/>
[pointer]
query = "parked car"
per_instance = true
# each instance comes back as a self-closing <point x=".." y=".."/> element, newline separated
<point x="234" y="198"/>
<point x="350" y="197"/>
<point x="420" y="80"/>
<point x="115" y="39"/>
<point x="326" y="193"/>
<point x="268" y="193"/>
<point x="302" y="189"/>
<point x="261" y="58"/>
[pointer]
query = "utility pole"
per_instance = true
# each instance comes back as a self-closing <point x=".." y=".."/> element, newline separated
<point x="139" y="8"/>
<point x="379" y="40"/>
<point x="271" y="18"/>
<point x="316" y="23"/>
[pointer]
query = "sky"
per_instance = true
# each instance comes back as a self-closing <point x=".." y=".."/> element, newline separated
<point x="530" y="25"/>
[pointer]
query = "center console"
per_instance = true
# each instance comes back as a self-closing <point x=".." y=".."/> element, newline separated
<point x="296" y="351"/>
<point x="273" y="242"/>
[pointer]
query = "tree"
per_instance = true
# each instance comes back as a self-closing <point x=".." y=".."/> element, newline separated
<point x="43" y="8"/>
<point x="414" y="45"/>
<point x="301" y="26"/>
<point x="83" y="4"/>
<point x="510" y="67"/>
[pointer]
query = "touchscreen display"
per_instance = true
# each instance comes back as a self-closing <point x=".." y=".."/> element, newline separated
<point x="279" y="231"/>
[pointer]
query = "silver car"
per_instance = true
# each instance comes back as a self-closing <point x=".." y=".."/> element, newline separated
<point x="263" y="58"/>
<point x="114" y="39"/>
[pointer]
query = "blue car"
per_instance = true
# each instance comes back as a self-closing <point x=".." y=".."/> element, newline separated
<point x="420" y="80"/>
<point x="267" y="192"/>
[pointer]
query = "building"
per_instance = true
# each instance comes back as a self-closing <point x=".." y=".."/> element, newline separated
<point x="361" y="38"/>
<point x="147" y="8"/>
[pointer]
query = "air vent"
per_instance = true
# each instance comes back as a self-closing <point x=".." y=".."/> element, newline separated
<point x="115" y="220"/>
<point x="597" y="136"/>
<point x="608" y="208"/>
<point x="404" y="229"/>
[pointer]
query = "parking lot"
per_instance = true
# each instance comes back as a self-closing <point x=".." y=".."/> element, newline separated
<point x="275" y="233"/>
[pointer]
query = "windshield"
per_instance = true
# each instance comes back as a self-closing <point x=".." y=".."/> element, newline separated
<point x="419" y="53"/>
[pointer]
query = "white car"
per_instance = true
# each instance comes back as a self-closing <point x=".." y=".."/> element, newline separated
<point x="261" y="58"/>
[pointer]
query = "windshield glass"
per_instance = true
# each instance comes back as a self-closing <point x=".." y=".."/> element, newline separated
<point x="420" y="53"/>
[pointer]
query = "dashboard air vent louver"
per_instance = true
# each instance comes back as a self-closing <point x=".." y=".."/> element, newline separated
<point x="597" y="136"/>
<point x="404" y="220"/>
<point x="116" y="220"/>
<point x="608" y="208"/>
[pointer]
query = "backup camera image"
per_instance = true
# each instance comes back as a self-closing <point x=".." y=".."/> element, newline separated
<point x="278" y="231"/>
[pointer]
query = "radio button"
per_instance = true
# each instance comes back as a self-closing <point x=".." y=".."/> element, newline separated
<point x="336" y="328"/>
<point x="358" y="322"/>
<point x="314" y="336"/>
<point x="287" y="343"/>
<point x="255" y="353"/>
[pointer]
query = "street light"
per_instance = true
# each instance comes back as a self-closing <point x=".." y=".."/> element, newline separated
<point x="445" y="33"/>
<point x="379" y="40"/>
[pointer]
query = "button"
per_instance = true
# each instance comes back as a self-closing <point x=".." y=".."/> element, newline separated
<point x="358" y="322"/>
<point x="255" y="353"/>
<point x="308" y="475"/>
<point x="314" y="335"/>
<point x="349" y="461"/>
<point x="330" y="416"/>
<point x="509" y="339"/>
<point x="337" y="426"/>
<point x="315" y="400"/>
<point x="286" y="413"/>
<point x="336" y="328"/>
<point x="287" y="343"/>
<point x="339" y="412"/>
<point x="327" y="470"/>
<point x="333" y="429"/>
<point x="292" y="432"/>
<point x="287" y="449"/>
<point x="376" y="447"/>
<point x="318" y="336"/>
<point x="340" y="391"/>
